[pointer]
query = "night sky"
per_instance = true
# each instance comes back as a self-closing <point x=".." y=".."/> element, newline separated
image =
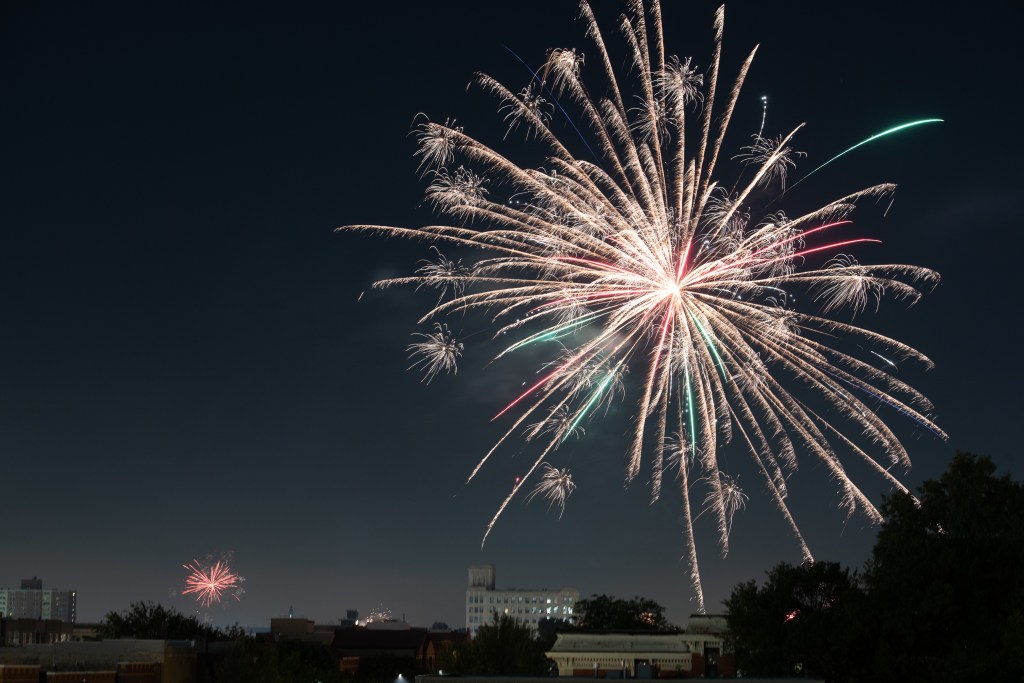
<point x="186" y="367"/>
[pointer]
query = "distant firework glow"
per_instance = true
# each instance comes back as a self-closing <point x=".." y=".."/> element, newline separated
<point x="636" y="275"/>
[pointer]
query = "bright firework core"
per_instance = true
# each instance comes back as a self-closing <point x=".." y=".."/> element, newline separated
<point x="632" y="258"/>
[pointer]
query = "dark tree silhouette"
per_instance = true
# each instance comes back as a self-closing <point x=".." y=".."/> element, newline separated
<point x="150" y="620"/>
<point x="604" y="612"/>
<point x="801" y="621"/>
<point x="944" y="580"/>
<point x="248" y="661"/>
<point x="503" y="648"/>
<point x="940" y="600"/>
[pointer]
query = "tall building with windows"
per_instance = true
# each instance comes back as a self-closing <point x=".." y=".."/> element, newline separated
<point x="527" y="606"/>
<point x="32" y="601"/>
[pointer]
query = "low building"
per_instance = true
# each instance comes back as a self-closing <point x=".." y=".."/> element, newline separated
<point x="129" y="660"/>
<point x="527" y="606"/>
<point x="15" y="632"/>
<point x="441" y="644"/>
<point x="85" y="631"/>
<point x="292" y="628"/>
<point x="19" y="673"/>
<point x="124" y="673"/>
<point x="418" y="644"/>
<point x="697" y="651"/>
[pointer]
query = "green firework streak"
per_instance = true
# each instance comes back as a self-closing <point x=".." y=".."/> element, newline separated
<point x="590" y="404"/>
<point x="693" y="419"/>
<point x="711" y="346"/>
<point x="556" y="333"/>
<point x="874" y="137"/>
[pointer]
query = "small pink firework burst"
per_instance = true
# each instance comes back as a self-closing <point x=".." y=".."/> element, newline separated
<point x="209" y="581"/>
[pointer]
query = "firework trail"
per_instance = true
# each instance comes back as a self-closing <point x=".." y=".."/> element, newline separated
<point x="209" y="580"/>
<point x="764" y="115"/>
<point x="636" y="260"/>
<point x="888" y="131"/>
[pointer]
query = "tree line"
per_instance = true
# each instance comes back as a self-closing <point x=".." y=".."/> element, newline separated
<point x="940" y="599"/>
<point x="503" y="647"/>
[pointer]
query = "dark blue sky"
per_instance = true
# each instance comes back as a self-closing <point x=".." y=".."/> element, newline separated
<point x="185" y="367"/>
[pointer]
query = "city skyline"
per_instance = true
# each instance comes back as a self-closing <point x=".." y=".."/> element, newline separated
<point x="196" y="363"/>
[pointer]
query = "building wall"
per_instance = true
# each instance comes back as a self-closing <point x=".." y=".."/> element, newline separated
<point x="134" y="661"/>
<point x="15" y="632"/>
<point x="180" y="665"/>
<point x="292" y="628"/>
<point x="99" y="655"/>
<point x="526" y="605"/>
<point x="136" y="672"/>
<point x="81" y="677"/>
<point x="623" y="655"/>
<point x="19" y="673"/>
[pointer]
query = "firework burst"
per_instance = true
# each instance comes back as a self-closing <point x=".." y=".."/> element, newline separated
<point x="211" y="579"/>
<point x="379" y="614"/>
<point x="438" y="351"/>
<point x="631" y="257"/>
<point x="556" y="485"/>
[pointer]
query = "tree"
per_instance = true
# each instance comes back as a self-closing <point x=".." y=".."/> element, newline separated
<point x="603" y="612"/>
<point x="284" y="662"/>
<point x="548" y="630"/>
<point x="150" y="620"/>
<point x="943" y="580"/>
<point x="940" y="600"/>
<point x="503" y="648"/>
<point x="802" y="621"/>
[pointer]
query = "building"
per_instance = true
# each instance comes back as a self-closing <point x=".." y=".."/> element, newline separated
<point x="698" y="651"/>
<point x="527" y="606"/>
<point x="124" y="660"/>
<point x="16" y="632"/>
<point x="297" y="628"/>
<point x="31" y="601"/>
<point x="423" y="648"/>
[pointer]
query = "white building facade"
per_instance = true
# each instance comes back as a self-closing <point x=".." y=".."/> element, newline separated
<point x="527" y="606"/>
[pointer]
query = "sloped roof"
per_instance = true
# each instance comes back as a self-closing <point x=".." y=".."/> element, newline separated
<point x="621" y="642"/>
<point x="453" y="637"/>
